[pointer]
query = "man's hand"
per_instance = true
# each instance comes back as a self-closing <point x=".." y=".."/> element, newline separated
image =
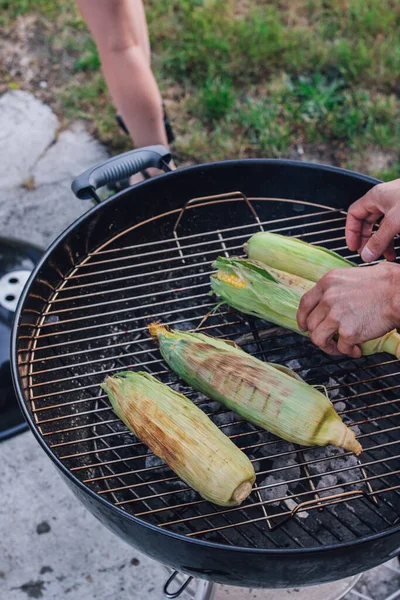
<point x="381" y="200"/>
<point x="359" y="304"/>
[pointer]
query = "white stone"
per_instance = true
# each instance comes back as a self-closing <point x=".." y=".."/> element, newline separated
<point x="27" y="128"/>
<point x="41" y="214"/>
<point x="73" y="152"/>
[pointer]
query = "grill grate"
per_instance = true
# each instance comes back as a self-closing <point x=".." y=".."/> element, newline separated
<point x="94" y="324"/>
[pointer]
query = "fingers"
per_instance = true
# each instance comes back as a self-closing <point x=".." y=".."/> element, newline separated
<point x="346" y="347"/>
<point x="382" y="240"/>
<point x="307" y="304"/>
<point x="359" y="228"/>
<point x="322" y="336"/>
<point x="390" y="252"/>
<point x="316" y="317"/>
<point x="361" y="216"/>
<point x="382" y="200"/>
<point x="366" y="231"/>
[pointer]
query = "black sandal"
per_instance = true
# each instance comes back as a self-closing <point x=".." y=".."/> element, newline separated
<point x="167" y="125"/>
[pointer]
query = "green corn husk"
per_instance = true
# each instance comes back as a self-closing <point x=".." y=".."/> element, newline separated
<point x="293" y="255"/>
<point x="258" y="290"/>
<point x="183" y="436"/>
<point x="268" y="395"/>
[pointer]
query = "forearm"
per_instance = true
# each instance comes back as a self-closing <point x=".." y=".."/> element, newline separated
<point x="393" y="296"/>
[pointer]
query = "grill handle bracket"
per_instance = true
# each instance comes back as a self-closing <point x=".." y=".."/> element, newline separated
<point x="119" y="167"/>
<point x="178" y="592"/>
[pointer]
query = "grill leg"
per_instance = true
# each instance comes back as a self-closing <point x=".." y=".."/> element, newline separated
<point x="205" y="590"/>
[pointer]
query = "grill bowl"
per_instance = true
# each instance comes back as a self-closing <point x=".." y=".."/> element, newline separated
<point x="143" y="254"/>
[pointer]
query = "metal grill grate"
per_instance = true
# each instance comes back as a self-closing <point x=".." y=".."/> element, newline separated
<point x="94" y="324"/>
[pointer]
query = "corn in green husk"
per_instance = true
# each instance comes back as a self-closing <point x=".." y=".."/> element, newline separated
<point x="256" y="289"/>
<point x="293" y="255"/>
<point x="268" y="395"/>
<point x="183" y="436"/>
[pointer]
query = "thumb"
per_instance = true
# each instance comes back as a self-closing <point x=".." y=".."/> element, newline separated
<point x="380" y="240"/>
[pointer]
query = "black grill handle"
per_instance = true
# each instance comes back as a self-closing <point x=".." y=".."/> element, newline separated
<point x="118" y="168"/>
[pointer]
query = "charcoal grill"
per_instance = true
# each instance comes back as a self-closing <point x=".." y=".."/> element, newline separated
<point x="316" y="514"/>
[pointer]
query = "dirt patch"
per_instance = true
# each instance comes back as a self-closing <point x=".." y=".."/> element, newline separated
<point x="45" y="569"/>
<point x="28" y="60"/>
<point x="315" y="153"/>
<point x="33" y="589"/>
<point x="43" y="527"/>
<point x="375" y="160"/>
<point x="35" y="56"/>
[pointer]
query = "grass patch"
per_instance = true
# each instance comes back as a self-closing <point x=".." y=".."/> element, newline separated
<point x="248" y="78"/>
<point x="216" y="99"/>
<point x="265" y="127"/>
<point x="88" y="60"/>
<point x="388" y="173"/>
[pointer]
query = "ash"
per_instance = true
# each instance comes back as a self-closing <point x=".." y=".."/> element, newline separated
<point x="187" y="326"/>
<point x="162" y="471"/>
<point x="284" y="468"/>
<point x="335" y="472"/>
<point x="297" y="368"/>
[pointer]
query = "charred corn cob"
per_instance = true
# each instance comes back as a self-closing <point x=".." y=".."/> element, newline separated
<point x="256" y="289"/>
<point x="183" y="436"/>
<point x="293" y="255"/>
<point x="269" y="396"/>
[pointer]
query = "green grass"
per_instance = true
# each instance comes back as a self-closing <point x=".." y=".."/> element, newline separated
<point x="246" y="78"/>
<point x="89" y="59"/>
<point x="215" y="99"/>
<point x="388" y="173"/>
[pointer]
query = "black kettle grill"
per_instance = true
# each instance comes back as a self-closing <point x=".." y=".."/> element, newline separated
<point x="17" y="260"/>
<point x="316" y="514"/>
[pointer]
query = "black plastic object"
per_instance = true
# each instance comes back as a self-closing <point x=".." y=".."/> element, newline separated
<point x="168" y="127"/>
<point x="121" y="123"/>
<point x="17" y="260"/>
<point x="167" y="124"/>
<point x="179" y="591"/>
<point x="228" y="564"/>
<point x="118" y="168"/>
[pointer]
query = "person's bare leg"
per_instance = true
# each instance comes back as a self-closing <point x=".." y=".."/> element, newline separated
<point x="142" y="32"/>
<point x="120" y="32"/>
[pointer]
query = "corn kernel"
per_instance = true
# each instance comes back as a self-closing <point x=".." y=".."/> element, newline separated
<point x="231" y="279"/>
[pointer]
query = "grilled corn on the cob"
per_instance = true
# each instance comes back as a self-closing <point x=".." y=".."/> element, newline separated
<point x="256" y="289"/>
<point x="293" y="255"/>
<point x="262" y="393"/>
<point x="182" y="435"/>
